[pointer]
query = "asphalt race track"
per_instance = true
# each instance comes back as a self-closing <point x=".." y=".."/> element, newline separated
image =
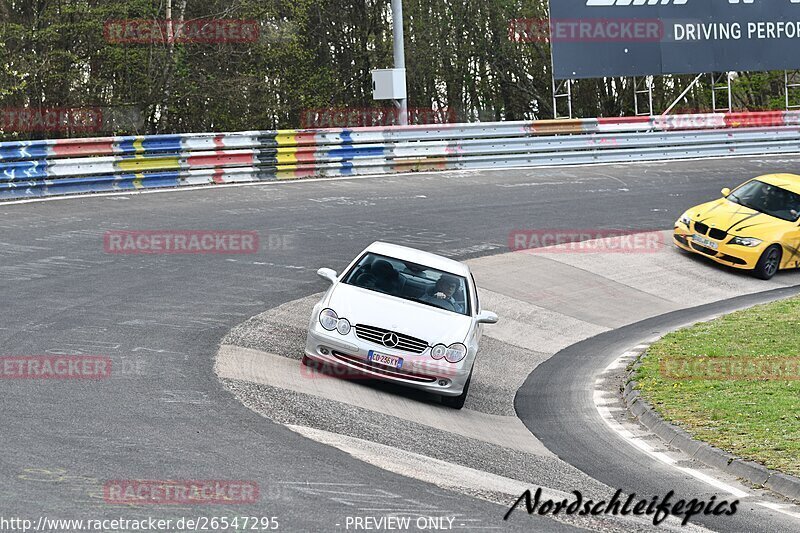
<point x="165" y="415"/>
<point x="556" y="403"/>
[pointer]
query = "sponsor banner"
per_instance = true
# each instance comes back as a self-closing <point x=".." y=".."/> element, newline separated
<point x="696" y="36"/>
<point x="566" y="241"/>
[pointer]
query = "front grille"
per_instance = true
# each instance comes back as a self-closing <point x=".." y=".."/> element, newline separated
<point x="383" y="371"/>
<point x="700" y="228"/>
<point x="703" y="249"/>
<point x="405" y="343"/>
<point x="718" y="234"/>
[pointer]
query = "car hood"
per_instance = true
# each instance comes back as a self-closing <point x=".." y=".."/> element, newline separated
<point x="363" y="306"/>
<point x="736" y="219"/>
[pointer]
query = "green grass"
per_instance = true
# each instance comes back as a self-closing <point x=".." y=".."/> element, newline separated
<point x="756" y="419"/>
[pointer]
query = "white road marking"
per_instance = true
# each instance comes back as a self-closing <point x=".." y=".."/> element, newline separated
<point x="600" y="402"/>
<point x="540" y="183"/>
<point x="321" y="483"/>
<point x="449" y="475"/>
<point x="785" y="509"/>
<point x="185" y="397"/>
<point x="470" y="250"/>
<point x="643" y="446"/>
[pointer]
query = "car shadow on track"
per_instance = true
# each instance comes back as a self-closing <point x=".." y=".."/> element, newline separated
<point x="743" y="274"/>
<point x="323" y="371"/>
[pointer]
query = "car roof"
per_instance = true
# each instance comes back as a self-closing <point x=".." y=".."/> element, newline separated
<point x="419" y="257"/>
<point x="790" y="182"/>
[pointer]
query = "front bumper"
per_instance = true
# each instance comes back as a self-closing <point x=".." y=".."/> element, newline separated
<point x="420" y="371"/>
<point x="741" y="257"/>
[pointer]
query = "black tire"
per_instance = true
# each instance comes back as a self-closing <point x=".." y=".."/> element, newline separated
<point x="769" y="263"/>
<point x="457" y="402"/>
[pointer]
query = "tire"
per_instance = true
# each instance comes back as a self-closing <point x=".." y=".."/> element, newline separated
<point x="769" y="263"/>
<point x="457" y="402"/>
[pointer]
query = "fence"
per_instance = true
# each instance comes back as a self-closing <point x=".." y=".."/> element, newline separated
<point x="31" y="169"/>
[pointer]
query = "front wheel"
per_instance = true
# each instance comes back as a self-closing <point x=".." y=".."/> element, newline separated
<point x="457" y="402"/>
<point x="769" y="263"/>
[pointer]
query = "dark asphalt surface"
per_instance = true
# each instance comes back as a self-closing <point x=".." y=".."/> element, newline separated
<point x="556" y="404"/>
<point x="163" y="414"/>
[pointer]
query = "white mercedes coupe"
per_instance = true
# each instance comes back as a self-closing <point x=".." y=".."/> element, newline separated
<point x="401" y="315"/>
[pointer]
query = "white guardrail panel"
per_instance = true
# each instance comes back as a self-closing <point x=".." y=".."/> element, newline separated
<point x="74" y="166"/>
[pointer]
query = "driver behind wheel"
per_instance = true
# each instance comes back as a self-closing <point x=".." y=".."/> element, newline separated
<point x="774" y="198"/>
<point x="443" y="293"/>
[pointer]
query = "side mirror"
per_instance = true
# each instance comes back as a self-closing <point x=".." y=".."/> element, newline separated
<point x="328" y="274"/>
<point x="725" y="192"/>
<point x="487" y="317"/>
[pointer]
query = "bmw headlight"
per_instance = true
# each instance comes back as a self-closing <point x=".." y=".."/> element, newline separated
<point x="685" y="219"/>
<point x="455" y="353"/>
<point x="329" y="319"/>
<point x="438" y="351"/>
<point x="343" y="326"/>
<point x="746" y="241"/>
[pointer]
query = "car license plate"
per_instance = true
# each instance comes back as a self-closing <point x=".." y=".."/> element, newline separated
<point x="386" y="360"/>
<point x="708" y="243"/>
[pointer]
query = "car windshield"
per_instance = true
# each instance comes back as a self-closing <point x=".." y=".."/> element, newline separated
<point x="769" y="199"/>
<point x="411" y="281"/>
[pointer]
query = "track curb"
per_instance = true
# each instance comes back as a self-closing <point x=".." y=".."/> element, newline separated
<point x="783" y="484"/>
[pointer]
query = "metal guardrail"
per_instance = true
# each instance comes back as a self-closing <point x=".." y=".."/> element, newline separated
<point x="31" y="169"/>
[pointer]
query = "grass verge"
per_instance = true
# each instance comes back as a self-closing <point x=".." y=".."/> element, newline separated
<point x="733" y="382"/>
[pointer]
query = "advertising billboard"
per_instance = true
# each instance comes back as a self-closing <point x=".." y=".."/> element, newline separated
<point x="599" y="38"/>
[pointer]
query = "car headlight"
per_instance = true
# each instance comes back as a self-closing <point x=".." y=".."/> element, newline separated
<point x="329" y="319"/>
<point x="438" y="351"/>
<point x="685" y="219"/>
<point x="746" y="241"/>
<point x="343" y="326"/>
<point x="455" y="353"/>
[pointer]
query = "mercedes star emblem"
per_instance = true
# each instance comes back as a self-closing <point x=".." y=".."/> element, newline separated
<point x="390" y="340"/>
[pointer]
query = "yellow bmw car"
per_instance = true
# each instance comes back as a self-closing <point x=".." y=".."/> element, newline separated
<point x="754" y="227"/>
